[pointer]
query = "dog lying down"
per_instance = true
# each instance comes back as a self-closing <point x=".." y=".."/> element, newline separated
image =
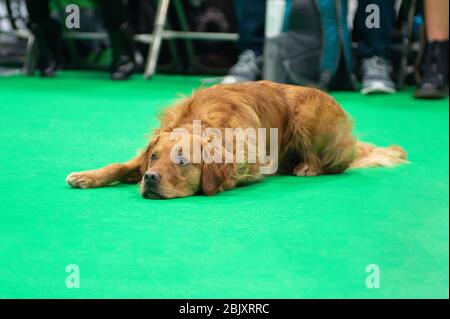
<point x="301" y="131"/>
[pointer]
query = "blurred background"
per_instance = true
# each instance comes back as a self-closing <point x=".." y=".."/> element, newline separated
<point x="375" y="46"/>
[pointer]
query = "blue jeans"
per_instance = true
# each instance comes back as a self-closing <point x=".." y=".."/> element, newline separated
<point x="251" y="16"/>
<point x="375" y="41"/>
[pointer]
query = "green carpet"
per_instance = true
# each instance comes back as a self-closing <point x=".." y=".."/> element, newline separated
<point x="287" y="237"/>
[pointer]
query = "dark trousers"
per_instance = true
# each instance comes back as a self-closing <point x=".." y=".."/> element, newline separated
<point x="375" y="41"/>
<point x="113" y="12"/>
<point x="251" y="16"/>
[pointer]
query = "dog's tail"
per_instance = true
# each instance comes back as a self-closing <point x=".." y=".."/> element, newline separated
<point x="368" y="155"/>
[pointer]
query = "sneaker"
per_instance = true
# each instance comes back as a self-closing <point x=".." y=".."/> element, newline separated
<point x="433" y="72"/>
<point x="248" y="68"/>
<point x="376" y="76"/>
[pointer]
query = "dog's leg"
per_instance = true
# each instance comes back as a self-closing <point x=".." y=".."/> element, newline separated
<point x="311" y="166"/>
<point x="301" y="142"/>
<point x="320" y="132"/>
<point x="129" y="172"/>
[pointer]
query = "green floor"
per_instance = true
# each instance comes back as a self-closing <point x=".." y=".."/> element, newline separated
<point x="287" y="237"/>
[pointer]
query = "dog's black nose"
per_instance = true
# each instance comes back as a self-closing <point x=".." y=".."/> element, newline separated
<point x="152" y="178"/>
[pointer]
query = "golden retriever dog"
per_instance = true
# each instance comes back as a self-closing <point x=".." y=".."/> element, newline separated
<point x="314" y="137"/>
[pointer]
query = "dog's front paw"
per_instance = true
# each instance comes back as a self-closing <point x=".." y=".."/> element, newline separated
<point x="305" y="169"/>
<point x="81" y="180"/>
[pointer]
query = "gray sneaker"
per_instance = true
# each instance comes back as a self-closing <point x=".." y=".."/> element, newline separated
<point x="248" y="68"/>
<point x="376" y="76"/>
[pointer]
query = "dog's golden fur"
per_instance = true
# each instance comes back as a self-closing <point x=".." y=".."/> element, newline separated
<point x="314" y="137"/>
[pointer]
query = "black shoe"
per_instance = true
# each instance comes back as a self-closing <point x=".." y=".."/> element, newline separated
<point x="49" y="67"/>
<point x="434" y="72"/>
<point x="122" y="46"/>
<point x="47" y="37"/>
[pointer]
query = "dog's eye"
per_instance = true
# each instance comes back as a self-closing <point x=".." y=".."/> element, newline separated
<point x="153" y="157"/>
<point x="183" y="161"/>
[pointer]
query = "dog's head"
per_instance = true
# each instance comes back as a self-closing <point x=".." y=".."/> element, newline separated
<point x="172" y="173"/>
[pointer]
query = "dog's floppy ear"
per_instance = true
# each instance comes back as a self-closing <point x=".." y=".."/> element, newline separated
<point x="214" y="176"/>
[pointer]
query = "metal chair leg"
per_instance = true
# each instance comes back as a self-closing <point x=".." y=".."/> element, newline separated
<point x="153" y="52"/>
<point x="29" y="64"/>
<point x="406" y="42"/>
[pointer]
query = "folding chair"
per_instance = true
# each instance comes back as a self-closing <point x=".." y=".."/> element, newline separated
<point x="159" y="33"/>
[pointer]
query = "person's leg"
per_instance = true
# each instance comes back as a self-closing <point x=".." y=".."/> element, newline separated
<point x="434" y="64"/>
<point x="374" y="44"/>
<point x="436" y="19"/>
<point x="251" y="15"/>
<point x="121" y="36"/>
<point x="374" y="40"/>
<point x="113" y="13"/>
<point x="47" y="34"/>
<point x="38" y="11"/>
